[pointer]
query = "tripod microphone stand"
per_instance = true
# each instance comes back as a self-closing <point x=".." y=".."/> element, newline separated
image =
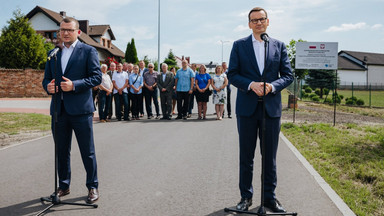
<point x="54" y="198"/>
<point x="261" y="209"/>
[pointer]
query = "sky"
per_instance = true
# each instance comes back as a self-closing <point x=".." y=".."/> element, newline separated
<point x="206" y="29"/>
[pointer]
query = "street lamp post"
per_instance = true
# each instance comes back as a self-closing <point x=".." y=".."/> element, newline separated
<point x="158" y="43"/>
<point x="222" y="48"/>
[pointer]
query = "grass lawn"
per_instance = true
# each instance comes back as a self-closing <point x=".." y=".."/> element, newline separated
<point x="377" y="97"/>
<point x="14" y="123"/>
<point x="349" y="157"/>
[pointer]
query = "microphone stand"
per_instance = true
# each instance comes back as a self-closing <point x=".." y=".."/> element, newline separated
<point x="54" y="198"/>
<point x="261" y="209"/>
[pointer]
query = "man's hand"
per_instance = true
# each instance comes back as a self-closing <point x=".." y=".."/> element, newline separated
<point x="258" y="88"/>
<point x="66" y="85"/>
<point x="190" y="92"/>
<point x="163" y="90"/>
<point x="51" y="87"/>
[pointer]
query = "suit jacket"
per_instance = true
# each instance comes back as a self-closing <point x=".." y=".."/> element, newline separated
<point x="243" y="69"/>
<point x="168" y="83"/>
<point x="83" y="69"/>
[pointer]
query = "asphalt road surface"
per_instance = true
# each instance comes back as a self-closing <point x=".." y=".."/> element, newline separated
<point x="155" y="167"/>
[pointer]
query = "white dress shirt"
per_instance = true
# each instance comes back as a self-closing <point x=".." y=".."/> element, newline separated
<point x="66" y="54"/>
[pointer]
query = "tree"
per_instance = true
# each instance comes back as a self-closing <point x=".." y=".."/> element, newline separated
<point x="170" y="60"/>
<point x="20" y="45"/>
<point x="291" y="49"/>
<point x="131" y="53"/>
<point x="321" y="79"/>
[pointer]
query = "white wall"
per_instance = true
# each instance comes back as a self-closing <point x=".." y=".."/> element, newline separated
<point x="40" y="22"/>
<point x="375" y="74"/>
<point x="349" y="76"/>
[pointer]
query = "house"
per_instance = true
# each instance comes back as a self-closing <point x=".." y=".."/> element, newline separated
<point x="47" y="23"/>
<point x="361" y="68"/>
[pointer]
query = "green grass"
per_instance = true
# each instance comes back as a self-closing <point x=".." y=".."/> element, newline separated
<point x="14" y="123"/>
<point x="377" y="97"/>
<point x="349" y="157"/>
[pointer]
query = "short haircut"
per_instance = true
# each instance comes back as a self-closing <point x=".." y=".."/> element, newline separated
<point x="71" y="19"/>
<point x="256" y="9"/>
<point x="164" y="64"/>
<point x="205" y="68"/>
<point x="104" y="65"/>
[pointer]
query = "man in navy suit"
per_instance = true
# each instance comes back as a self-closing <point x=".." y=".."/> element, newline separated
<point x="246" y="72"/>
<point x="77" y="71"/>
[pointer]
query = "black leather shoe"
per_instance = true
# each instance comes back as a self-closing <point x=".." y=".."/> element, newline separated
<point x="244" y="204"/>
<point x="274" y="205"/>
<point x="93" y="195"/>
<point x="61" y="192"/>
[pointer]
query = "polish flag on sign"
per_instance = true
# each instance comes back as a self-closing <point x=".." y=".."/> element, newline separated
<point x="312" y="47"/>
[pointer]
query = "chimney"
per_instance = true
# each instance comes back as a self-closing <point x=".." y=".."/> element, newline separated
<point x="182" y="58"/>
<point x="63" y="13"/>
<point x="188" y="59"/>
<point x="84" y="26"/>
<point x="365" y="58"/>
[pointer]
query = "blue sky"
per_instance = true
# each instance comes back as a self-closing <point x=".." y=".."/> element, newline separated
<point x="195" y="27"/>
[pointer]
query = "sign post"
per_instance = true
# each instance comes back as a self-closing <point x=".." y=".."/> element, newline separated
<point x="318" y="55"/>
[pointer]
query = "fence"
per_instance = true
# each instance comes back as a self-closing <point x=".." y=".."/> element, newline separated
<point x="371" y="94"/>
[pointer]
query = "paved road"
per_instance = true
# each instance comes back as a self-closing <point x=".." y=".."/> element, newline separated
<point x="154" y="167"/>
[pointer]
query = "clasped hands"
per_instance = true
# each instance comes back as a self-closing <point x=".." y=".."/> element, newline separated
<point x="66" y="85"/>
<point x="258" y="88"/>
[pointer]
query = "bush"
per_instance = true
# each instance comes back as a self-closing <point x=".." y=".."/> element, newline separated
<point x="308" y="90"/>
<point x="326" y="91"/>
<point x="350" y="101"/>
<point x="316" y="98"/>
<point x="317" y="91"/>
<point x="328" y="101"/>
<point x="305" y="86"/>
<point x="312" y="95"/>
<point x="341" y="97"/>
<point x="360" y="102"/>
<point x="304" y="95"/>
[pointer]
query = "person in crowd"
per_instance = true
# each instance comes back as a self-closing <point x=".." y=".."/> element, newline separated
<point x="112" y="69"/>
<point x="120" y="92"/>
<point x="174" y="94"/>
<point x="184" y="86"/>
<point x="192" y="96"/>
<point x="165" y="83"/>
<point x="229" y="109"/>
<point x="105" y="94"/>
<point x="136" y="83"/>
<point x="142" y="70"/>
<point x="78" y="71"/>
<point x="129" y="72"/>
<point x="202" y="81"/>
<point x="219" y="83"/>
<point x="247" y="73"/>
<point x="150" y="91"/>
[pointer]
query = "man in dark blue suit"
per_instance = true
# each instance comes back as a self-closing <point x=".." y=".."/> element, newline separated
<point x="77" y="71"/>
<point x="246" y="72"/>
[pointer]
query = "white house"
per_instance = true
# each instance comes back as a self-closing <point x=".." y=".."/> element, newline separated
<point x="47" y="23"/>
<point x="361" y="68"/>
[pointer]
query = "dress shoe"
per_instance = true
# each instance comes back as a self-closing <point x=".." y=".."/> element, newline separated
<point x="229" y="116"/>
<point x="179" y="117"/>
<point x="93" y="195"/>
<point x="61" y="192"/>
<point x="244" y="204"/>
<point x="274" y="205"/>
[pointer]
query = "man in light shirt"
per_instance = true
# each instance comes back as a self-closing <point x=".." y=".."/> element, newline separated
<point x="120" y="92"/>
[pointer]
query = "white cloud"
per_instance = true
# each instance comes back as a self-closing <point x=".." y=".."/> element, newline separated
<point x="377" y="26"/>
<point x="347" y="27"/>
<point x="241" y="28"/>
<point x="243" y="14"/>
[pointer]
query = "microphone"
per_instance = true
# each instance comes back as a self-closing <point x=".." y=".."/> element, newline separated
<point x="264" y="36"/>
<point x="54" y="52"/>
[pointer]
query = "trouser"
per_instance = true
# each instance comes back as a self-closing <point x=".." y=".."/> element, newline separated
<point x="249" y="128"/>
<point x="119" y="100"/>
<point x="182" y="103"/>
<point x="82" y="125"/>
<point x="104" y="104"/>
<point x="136" y="98"/>
<point x="149" y="96"/>
<point x="166" y="103"/>
<point x="191" y="102"/>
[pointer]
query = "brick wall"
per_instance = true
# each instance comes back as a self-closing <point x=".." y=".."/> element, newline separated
<point x="21" y="83"/>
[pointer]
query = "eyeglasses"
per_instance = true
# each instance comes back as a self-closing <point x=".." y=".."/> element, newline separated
<point x="255" y="21"/>
<point x="150" y="67"/>
<point x="67" y="30"/>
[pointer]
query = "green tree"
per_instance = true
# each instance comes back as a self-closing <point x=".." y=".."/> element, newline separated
<point x="20" y="45"/>
<point x="321" y="79"/>
<point x="131" y="53"/>
<point x="291" y="49"/>
<point x="170" y="60"/>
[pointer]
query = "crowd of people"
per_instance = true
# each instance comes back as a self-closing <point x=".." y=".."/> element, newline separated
<point x="130" y="86"/>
